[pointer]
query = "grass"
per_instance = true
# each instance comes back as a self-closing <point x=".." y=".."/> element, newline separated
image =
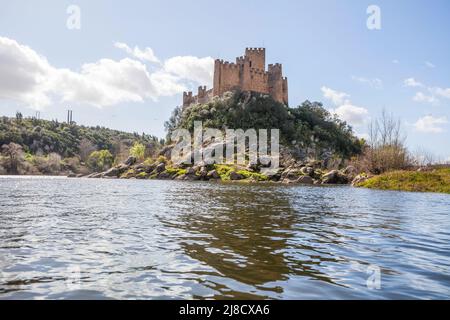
<point x="175" y="171"/>
<point x="225" y="170"/>
<point x="253" y="175"/>
<point x="431" y="181"/>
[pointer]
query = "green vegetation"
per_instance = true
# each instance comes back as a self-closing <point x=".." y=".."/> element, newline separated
<point x="252" y="175"/>
<point x="138" y="151"/>
<point x="142" y="175"/>
<point x="100" y="160"/>
<point x="437" y="180"/>
<point x="308" y="126"/>
<point x="223" y="171"/>
<point x="34" y="146"/>
<point x="176" y="171"/>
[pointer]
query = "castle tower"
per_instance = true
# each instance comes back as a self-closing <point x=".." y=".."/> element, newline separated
<point x="217" y="81"/>
<point x="276" y="82"/>
<point x="257" y="57"/>
<point x="188" y="99"/>
<point x="202" y="96"/>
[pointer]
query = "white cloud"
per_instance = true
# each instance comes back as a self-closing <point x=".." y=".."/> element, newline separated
<point x="421" y="97"/>
<point x="430" y="65"/>
<point x="336" y="97"/>
<point x="145" y="55"/>
<point x="29" y="78"/>
<point x="24" y="75"/>
<point x="345" y="109"/>
<point x="430" y="124"/>
<point x="432" y="94"/>
<point x="352" y="114"/>
<point x="442" y="92"/>
<point x="196" y="69"/>
<point x="108" y="82"/>
<point x="411" y="82"/>
<point x="374" y="82"/>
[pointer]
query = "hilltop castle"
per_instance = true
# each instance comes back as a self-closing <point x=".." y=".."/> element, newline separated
<point x="247" y="74"/>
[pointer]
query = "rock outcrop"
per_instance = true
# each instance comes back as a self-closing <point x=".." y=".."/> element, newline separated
<point x="291" y="171"/>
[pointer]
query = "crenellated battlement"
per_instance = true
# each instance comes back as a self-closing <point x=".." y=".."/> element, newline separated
<point x="259" y="50"/>
<point x="230" y="65"/>
<point x="248" y="73"/>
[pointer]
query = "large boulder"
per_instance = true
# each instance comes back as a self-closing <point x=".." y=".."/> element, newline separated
<point x="116" y="171"/>
<point x="305" y="180"/>
<point x="166" y="152"/>
<point x="160" y="167"/>
<point x="360" y="178"/>
<point x="351" y="172"/>
<point x="235" y="176"/>
<point x="130" y="161"/>
<point x="203" y="172"/>
<point x="291" y="174"/>
<point x="307" y="171"/>
<point x="315" y="164"/>
<point x="213" y="175"/>
<point x="190" y="171"/>
<point x="334" y="177"/>
<point x="164" y="175"/>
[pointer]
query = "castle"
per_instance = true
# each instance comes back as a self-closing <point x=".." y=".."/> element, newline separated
<point x="247" y="74"/>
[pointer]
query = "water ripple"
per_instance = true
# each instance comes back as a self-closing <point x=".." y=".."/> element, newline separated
<point x="102" y="239"/>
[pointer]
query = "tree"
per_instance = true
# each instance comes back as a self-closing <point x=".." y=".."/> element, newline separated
<point x="19" y="117"/>
<point x="86" y="147"/>
<point x="100" y="160"/>
<point x="386" y="145"/>
<point x="138" y="151"/>
<point x="14" y="157"/>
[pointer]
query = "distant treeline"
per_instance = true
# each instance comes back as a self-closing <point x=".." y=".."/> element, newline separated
<point x="38" y="142"/>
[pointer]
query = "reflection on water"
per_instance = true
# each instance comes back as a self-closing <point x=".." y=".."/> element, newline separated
<point x="100" y="239"/>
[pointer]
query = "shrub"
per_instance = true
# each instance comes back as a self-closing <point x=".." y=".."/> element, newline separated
<point x="13" y="157"/>
<point x="138" y="151"/>
<point x="162" y="159"/>
<point x="385" y="149"/>
<point x="50" y="164"/>
<point x="100" y="160"/>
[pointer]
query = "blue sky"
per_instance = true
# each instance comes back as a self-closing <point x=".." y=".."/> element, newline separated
<point x="327" y="52"/>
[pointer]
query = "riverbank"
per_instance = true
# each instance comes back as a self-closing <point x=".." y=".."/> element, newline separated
<point x="293" y="172"/>
<point x="435" y="180"/>
<point x="310" y="173"/>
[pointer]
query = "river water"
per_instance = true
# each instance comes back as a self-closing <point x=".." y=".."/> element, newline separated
<point x="139" y="239"/>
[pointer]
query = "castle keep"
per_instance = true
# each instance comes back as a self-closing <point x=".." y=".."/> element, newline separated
<point x="247" y="74"/>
